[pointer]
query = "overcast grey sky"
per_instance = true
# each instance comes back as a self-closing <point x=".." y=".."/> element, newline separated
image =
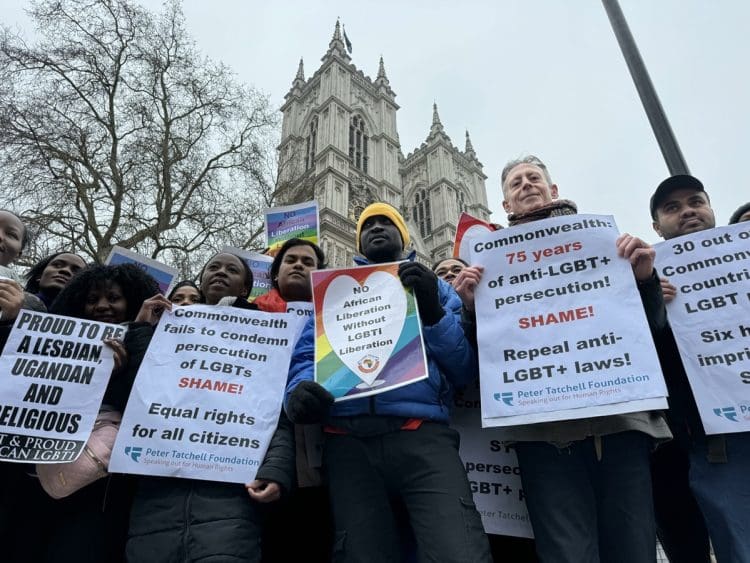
<point x="524" y="76"/>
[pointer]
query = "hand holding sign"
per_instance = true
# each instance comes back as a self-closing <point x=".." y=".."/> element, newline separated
<point x="425" y="285"/>
<point x="11" y="298"/>
<point x="120" y="354"/>
<point x="152" y="309"/>
<point x="640" y="254"/>
<point x="668" y="290"/>
<point x="466" y="285"/>
<point x="309" y="403"/>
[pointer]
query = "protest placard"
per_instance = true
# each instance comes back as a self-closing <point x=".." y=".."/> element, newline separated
<point x="710" y="270"/>
<point x="53" y="374"/>
<point x="291" y="221"/>
<point x="492" y="469"/>
<point x="300" y="308"/>
<point x="164" y="275"/>
<point x="368" y="337"/>
<point x="207" y="398"/>
<point x="260" y="266"/>
<point x="468" y="227"/>
<point x="561" y="329"/>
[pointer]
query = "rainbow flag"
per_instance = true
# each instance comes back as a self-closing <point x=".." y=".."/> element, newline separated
<point x="368" y="336"/>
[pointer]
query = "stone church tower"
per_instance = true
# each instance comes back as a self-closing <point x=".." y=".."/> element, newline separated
<point x="340" y="145"/>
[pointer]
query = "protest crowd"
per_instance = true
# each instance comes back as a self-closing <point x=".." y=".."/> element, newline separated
<point x="360" y="461"/>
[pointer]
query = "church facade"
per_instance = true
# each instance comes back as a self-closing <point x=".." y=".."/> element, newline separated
<point x="340" y="146"/>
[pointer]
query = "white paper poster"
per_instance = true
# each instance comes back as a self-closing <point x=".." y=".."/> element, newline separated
<point x="561" y="329"/>
<point x="492" y="469"/>
<point x="710" y="319"/>
<point x="53" y="374"/>
<point x="207" y="397"/>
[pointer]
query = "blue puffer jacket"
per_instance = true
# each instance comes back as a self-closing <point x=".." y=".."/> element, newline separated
<point x="451" y="364"/>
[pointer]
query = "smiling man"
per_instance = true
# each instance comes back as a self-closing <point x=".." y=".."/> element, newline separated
<point x="586" y="481"/>
<point x="395" y="449"/>
<point x="529" y="194"/>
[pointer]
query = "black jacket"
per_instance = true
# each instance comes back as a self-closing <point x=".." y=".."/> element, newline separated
<point x="176" y="520"/>
<point x="682" y="416"/>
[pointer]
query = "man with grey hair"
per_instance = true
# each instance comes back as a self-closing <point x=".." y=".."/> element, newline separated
<point x="529" y="194"/>
<point x="587" y="482"/>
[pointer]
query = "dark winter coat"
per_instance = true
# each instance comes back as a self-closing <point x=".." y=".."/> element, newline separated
<point x="181" y="520"/>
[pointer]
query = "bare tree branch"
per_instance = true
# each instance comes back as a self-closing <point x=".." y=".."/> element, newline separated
<point x="114" y="129"/>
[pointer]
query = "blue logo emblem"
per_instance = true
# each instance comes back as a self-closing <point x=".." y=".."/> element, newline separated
<point x="506" y="398"/>
<point x="727" y="412"/>
<point x="134" y="452"/>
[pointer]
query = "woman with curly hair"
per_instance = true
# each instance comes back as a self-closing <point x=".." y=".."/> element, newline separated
<point x="111" y="294"/>
<point x="91" y="524"/>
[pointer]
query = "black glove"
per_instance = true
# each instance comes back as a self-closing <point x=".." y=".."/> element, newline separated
<point x="425" y="285"/>
<point x="309" y="403"/>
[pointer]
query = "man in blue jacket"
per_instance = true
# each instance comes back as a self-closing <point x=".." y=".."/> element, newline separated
<point x="393" y="453"/>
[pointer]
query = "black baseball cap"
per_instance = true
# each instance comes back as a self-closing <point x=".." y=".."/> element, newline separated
<point x="676" y="182"/>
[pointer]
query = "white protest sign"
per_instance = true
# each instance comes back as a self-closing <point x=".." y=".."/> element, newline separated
<point x="561" y="329"/>
<point x="492" y="469"/>
<point x="302" y="309"/>
<point x="207" y="398"/>
<point x="710" y="319"/>
<point x="53" y="374"/>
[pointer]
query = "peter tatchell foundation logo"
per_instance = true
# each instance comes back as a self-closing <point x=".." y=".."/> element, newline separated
<point x="134" y="452"/>
<point x="730" y="413"/>
<point x="506" y="398"/>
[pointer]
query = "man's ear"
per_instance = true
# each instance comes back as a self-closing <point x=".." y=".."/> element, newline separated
<point x="553" y="191"/>
<point x="506" y="206"/>
<point x="657" y="228"/>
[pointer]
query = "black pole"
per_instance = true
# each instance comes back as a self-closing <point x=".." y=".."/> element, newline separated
<point x="654" y="110"/>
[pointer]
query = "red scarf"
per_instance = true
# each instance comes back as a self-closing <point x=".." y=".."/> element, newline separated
<point x="271" y="302"/>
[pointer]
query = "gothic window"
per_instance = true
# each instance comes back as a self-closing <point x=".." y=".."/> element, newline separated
<point x="358" y="143"/>
<point x="421" y="213"/>
<point x="312" y="141"/>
